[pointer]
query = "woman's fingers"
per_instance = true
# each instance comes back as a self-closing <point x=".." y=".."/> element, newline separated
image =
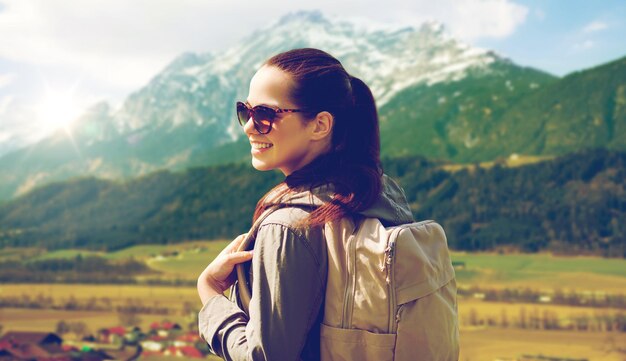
<point x="239" y="257"/>
<point x="217" y="275"/>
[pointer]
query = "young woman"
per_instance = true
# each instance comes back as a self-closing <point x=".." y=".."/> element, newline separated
<point x="306" y="116"/>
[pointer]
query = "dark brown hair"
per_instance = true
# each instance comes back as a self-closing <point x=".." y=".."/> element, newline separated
<point x="352" y="166"/>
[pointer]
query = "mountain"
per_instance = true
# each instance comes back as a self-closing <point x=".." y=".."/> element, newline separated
<point x="584" y="109"/>
<point x="185" y="115"/>
<point x="458" y="120"/>
<point x="509" y="110"/>
<point x="573" y="204"/>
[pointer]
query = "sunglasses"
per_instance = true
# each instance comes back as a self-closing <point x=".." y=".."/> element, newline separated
<point x="262" y="116"/>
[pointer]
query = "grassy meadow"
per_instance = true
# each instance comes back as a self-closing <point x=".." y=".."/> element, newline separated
<point x="543" y="272"/>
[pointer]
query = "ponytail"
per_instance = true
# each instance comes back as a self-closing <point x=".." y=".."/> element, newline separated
<point x="358" y="135"/>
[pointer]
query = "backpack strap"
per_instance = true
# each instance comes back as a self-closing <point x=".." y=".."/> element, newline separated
<point x="243" y="287"/>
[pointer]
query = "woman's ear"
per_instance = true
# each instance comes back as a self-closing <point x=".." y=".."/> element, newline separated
<point x="322" y="125"/>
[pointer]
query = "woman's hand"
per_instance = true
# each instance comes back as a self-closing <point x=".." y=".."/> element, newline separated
<point x="219" y="274"/>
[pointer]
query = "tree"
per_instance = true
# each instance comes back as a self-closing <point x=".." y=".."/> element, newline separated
<point x="79" y="329"/>
<point x="128" y="318"/>
<point x="504" y="319"/>
<point x="473" y="317"/>
<point x="522" y="317"/>
<point x="62" y="328"/>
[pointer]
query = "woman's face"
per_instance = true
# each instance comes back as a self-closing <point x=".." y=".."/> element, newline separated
<point x="290" y="144"/>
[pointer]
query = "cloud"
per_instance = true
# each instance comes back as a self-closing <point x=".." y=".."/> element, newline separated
<point x="4" y="103"/>
<point x="121" y="43"/>
<point x="496" y="19"/>
<point x="466" y="19"/>
<point x="6" y="79"/>
<point x="16" y="125"/>
<point x="595" y="26"/>
<point x="587" y="44"/>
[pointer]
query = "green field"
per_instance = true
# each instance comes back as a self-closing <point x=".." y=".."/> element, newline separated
<point x="485" y="269"/>
<point x="520" y="265"/>
<point x="543" y="271"/>
<point x="185" y="261"/>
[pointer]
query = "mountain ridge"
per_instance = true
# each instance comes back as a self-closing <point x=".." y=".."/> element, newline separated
<point x="186" y="112"/>
<point x="570" y="204"/>
<point x="437" y="97"/>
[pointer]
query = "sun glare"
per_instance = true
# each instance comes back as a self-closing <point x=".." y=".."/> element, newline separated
<point x="57" y="110"/>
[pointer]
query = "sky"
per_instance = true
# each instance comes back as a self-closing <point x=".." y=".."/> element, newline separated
<point x="79" y="52"/>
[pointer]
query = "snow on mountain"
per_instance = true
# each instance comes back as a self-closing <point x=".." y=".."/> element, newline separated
<point x="200" y="90"/>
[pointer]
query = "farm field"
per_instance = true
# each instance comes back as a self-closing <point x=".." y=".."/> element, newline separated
<point x="487" y="270"/>
<point x="19" y="319"/>
<point x="541" y="271"/>
<point x="496" y="310"/>
<point x="476" y="344"/>
<point x="167" y="296"/>
<point x="498" y="344"/>
<point x="175" y="298"/>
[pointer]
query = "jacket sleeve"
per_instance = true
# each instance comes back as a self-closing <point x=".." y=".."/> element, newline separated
<point x="287" y="294"/>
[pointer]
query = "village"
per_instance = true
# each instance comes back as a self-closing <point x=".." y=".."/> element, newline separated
<point x="163" y="341"/>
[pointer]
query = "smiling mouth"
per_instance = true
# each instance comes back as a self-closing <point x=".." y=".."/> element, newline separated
<point x="258" y="145"/>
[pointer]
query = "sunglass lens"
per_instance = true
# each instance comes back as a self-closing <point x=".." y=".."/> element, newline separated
<point x="263" y="118"/>
<point x="243" y="114"/>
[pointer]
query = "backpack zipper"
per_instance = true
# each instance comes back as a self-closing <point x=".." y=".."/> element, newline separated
<point x="390" y="252"/>
<point x="346" y="319"/>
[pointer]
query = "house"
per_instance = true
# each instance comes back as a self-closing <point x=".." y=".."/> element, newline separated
<point x="183" y="351"/>
<point x="16" y="345"/>
<point x="190" y="352"/>
<point x="40" y="338"/>
<point x="152" y="345"/>
<point x="111" y="335"/>
<point x="187" y="339"/>
<point x="165" y="326"/>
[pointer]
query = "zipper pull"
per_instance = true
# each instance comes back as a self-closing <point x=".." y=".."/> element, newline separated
<point x="389" y="252"/>
<point x="383" y="267"/>
<point x="386" y="260"/>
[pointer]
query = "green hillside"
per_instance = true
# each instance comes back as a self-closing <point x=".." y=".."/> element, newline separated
<point x="572" y="204"/>
<point x="458" y="120"/>
<point x="513" y="110"/>
<point x="584" y="109"/>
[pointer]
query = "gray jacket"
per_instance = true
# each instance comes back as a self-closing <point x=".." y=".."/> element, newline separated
<point x="288" y="288"/>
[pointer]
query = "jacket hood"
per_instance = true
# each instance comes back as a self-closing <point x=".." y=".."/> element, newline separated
<point x="391" y="207"/>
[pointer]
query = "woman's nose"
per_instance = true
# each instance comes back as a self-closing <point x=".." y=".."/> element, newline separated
<point x="248" y="128"/>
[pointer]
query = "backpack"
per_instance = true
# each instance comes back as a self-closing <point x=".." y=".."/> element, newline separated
<point x="390" y="293"/>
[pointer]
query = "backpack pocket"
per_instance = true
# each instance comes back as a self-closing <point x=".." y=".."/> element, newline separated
<point x="340" y="344"/>
<point x="428" y="327"/>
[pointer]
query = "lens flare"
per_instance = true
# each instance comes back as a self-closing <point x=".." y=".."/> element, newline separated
<point x="57" y="110"/>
